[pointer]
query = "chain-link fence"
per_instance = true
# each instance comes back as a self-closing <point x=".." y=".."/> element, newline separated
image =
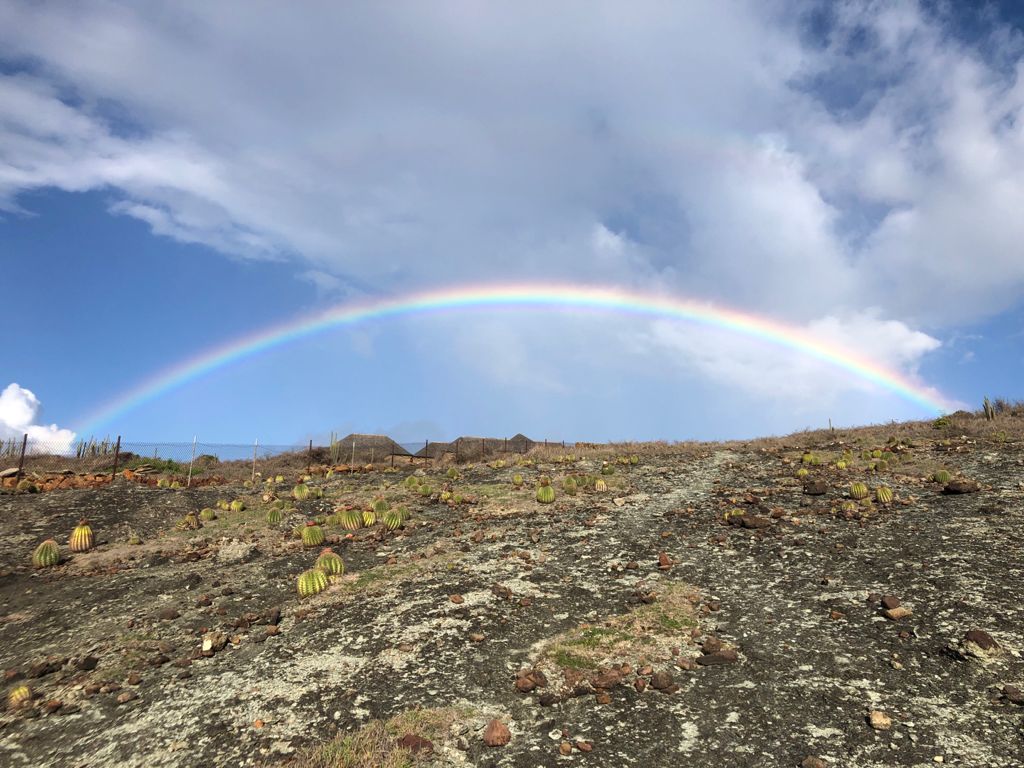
<point x="53" y="463"/>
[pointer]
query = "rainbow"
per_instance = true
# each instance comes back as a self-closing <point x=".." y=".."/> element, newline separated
<point x="529" y="295"/>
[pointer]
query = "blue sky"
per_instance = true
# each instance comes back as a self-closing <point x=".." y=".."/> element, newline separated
<point x="174" y="179"/>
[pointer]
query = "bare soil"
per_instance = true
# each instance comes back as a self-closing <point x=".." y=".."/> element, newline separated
<point x="769" y="621"/>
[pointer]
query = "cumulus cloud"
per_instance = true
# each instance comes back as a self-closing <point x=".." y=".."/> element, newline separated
<point x="19" y="410"/>
<point x="844" y="175"/>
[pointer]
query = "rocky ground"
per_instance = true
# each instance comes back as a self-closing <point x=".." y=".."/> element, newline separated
<point x="710" y="608"/>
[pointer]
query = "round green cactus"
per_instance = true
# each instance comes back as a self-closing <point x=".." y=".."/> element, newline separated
<point x="207" y="514"/>
<point x="176" y="486"/>
<point x="237" y="505"/>
<point x="841" y="464"/>
<point x="444" y="496"/>
<point x="20" y="696"/>
<point x="223" y="504"/>
<point x="411" y="482"/>
<point x="517" y="480"/>
<point x="876" y="454"/>
<point x="279" y="479"/>
<point x="330" y="562"/>
<point x="380" y="505"/>
<point x="46" y="554"/>
<point x="300" y="492"/>
<point x="607" y="469"/>
<point x="189" y="522"/>
<point x="392" y="520"/>
<point x="453" y="473"/>
<point x="942" y="476"/>
<point x="884" y="494"/>
<point x="858" y="491"/>
<point x="312" y="535"/>
<point x="312" y="582"/>
<point x="81" y="538"/>
<point x="881" y="465"/>
<point x="545" y="493"/>
<point x="351" y="519"/>
<point x="425" y="490"/>
<point x="848" y="507"/>
<point x="803" y="472"/>
<point x="570" y="486"/>
<point x="369" y="517"/>
<point x="600" y="485"/>
<point x="275" y="515"/>
<point x="634" y="459"/>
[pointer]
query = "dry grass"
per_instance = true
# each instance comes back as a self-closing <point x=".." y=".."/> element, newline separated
<point x="375" y="745"/>
<point x="645" y="634"/>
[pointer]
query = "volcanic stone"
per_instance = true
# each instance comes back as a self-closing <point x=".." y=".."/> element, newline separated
<point x="497" y="734"/>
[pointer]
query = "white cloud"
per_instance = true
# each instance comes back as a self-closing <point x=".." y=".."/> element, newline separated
<point x="19" y="409"/>
<point x="865" y="186"/>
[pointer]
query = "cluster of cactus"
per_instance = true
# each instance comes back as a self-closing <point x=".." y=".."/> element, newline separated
<point x="20" y="696"/>
<point x="223" y="504"/>
<point x="545" y="493"/>
<point x="350" y="519"/>
<point x="942" y="476"/>
<point x="330" y="562"/>
<point x="189" y="522"/>
<point x="858" y="491"/>
<point x="312" y="535"/>
<point x="163" y="482"/>
<point x="207" y="514"/>
<point x="848" y="506"/>
<point x="497" y="464"/>
<point x="395" y="518"/>
<point x="46" y="554"/>
<point x="81" y="539"/>
<point x="312" y="582"/>
<point x="884" y="494"/>
<point x="237" y="506"/>
<point x="369" y="517"/>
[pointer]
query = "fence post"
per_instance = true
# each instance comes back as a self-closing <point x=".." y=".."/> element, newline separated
<point x="255" y="447"/>
<point x="188" y="483"/>
<point x="309" y="458"/>
<point x="457" y="449"/>
<point x="21" y="460"/>
<point x="117" y="452"/>
<point x="506" y="446"/>
<point x="392" y="454"/>
<point x="352" y="463"/>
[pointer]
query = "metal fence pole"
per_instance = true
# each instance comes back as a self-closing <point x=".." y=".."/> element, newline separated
<point x="117" y="453"/>
<point x="21" y="459"/>
<point x="457" y="449"/>
<point x="188" y="483"/>
<point x="309" y="458"/>
<point x="255" y="447"/>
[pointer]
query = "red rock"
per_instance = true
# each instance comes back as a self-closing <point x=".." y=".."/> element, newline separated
<point x="416" y="744"/>
<point x="457" y="599"/>
<point x="497" y="734"/>
<point x="890" y="601"/>
<point x="565" y="748"/>
<point x="584" y="746"/>
<point x="664" y="563"/>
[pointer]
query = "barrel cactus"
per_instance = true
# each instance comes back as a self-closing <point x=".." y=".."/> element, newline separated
<point x="300" y="492"/>
<point x="607" y="469"/>
<point x="841" y="464"/>
<point x="425" y="490"/>
<point x="189" y="522"/>
<point x="20" y="696"/>
<point x="312" y="582"/>
<point x="380" y="505"/>
<point x="881" y="465"/>
<point x="942" y="476"/>
<point x="858" y="491"/>
<point x="803" y="472"/>
<point x="444" y="496"/>
<point x="207" y="514"/>
<point x="517" y="480"/>
<point x="46" y="554"/>
<point x="223" y="504"/>
<point x="453" y="473"/>
<point x="369" y="517"/>
<point x="176" y="486"/>
<point x="600" y="485"/>
<point x="26" y="486"/>
<point x="163" y="482"/>
<point x="876" y="454"/>
<point x="312" y="535"/>
<point x="545" y="493"/>
<point x="883" y="494"/>
<point x="848" y="507"/>
<point x="807" y="458"/>
<point x="634" y="459"/>
<point x="279" y="479"/>
<point x="330" y="562"/>
<point x="392" y="520"/>
<point x="570" y="486"/>
<point x="411" y="482"/>
<point x="81" y="539"/>
<point x="351" y="519"/>
<point x="274" y="515"/>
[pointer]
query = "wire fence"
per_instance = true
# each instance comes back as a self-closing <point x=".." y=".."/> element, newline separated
<point x="49" y="463"/>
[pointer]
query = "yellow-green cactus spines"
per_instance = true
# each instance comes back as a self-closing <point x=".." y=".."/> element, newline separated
<point x="82" y="539"/>
<point x="312" y="582"/>
<point x="46" y="554"/>
<point x="330" y="562"/>
<point x="312" y="535"/>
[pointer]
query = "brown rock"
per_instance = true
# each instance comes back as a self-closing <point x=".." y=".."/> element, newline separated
<point x="167" y="614"/>
<point x="646" y="670"/>
<point x="87" y="663"/>
<point x="457" y="599"/>
<point x="897" y="613"/>
<point x="565" y="748"/>
<point x="755" y="522"/>
<point x="958" y="486"/>
<point x="126" y="696"/>
<point x="607" y="678"/>
<point x="813" y="762"/>
<point x="416" y="744"/>
<point x="664" y="562"/>
<point x="890" y="601"/>
<point x="134" y="678"/>
<point x="724" y="656"/>
<point x="1013" y="694"/>
<point x="661" y="680"/>
<point x="497" y="734"/>
<point x="52" y="706"/>
<point x="879" y="720"/>
<point x="640" y="684"/>
<point x="547" y="699"/>
<point x="476" y="637"/>
<point x="525" y="684"/>
<point x="982" y="639"/>
<point x="603" y="697"/>
<point x="584" y="746"/>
